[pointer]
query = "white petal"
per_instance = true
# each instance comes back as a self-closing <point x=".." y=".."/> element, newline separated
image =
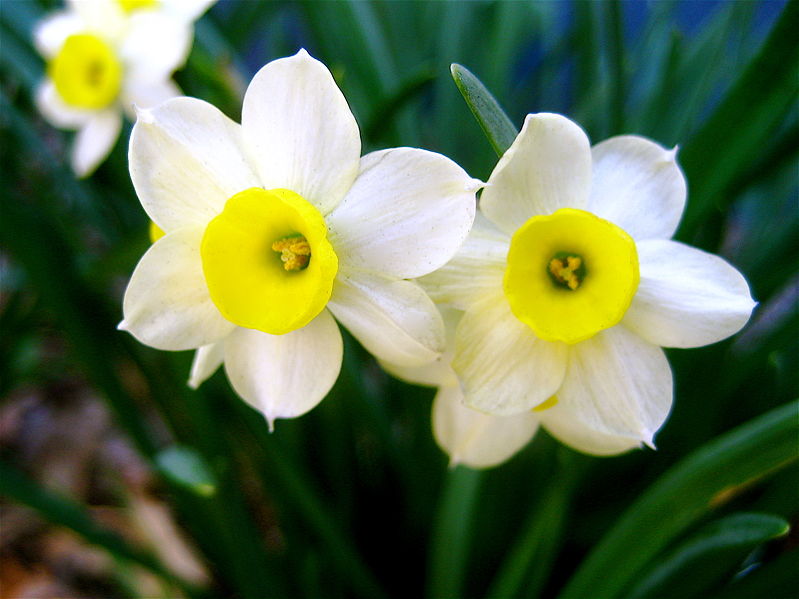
<point x="503" y="367"/>
<point x="618" y="384"/>
<point x="547" y="167"/>
<point x="393" y="319"/>
<point x="687" y="297"/>
<point x="301" y="130"/>
<point x="638" y="186"/>
<point x="562" y="424"/>
<point x="147" y="94"/>
<point x="52" y="31"/>
<point x="155" y="45"/>
<point x="476" y="270"/>
<point x="56" y="111"/>
<point x="438" y="372"/>
<point x="475" y="439"/>
<point x="188" y="10"/>
<point x="406" y="214"/>
<point x="206" y="360"/>
<point x="95" y="141"/>
<point x="102" y="17"/>
<point x="284" y="376"/>
<point x="166" y="304"/>
<point x="186" y="161"/>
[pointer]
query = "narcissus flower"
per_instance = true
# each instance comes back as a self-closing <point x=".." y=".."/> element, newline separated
<point x="479" y="440"/>
<point x="274" y="226"/>
<point x="104" y="56"/>
<point x="570" y="285"/>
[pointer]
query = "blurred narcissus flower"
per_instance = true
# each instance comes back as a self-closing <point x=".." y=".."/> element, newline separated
<point x="570" y="286"/>
<point x="274" y="226"/>
<point x="105" y="56"/>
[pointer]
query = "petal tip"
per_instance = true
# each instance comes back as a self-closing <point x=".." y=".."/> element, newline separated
<point x="123" y="326"/>
<point x="143" y="115"/>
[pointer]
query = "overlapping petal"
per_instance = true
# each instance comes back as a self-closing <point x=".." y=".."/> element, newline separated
<point x="475" y="439"/>
<point x="407" y="213"/>
<point x="186" y="161"/>
<point x="52" y="31"/>
<point x="284" y="376"/>
<point x="146" y="93"/>
<point x="686" y="297"/>
<point x="393" y="319"/>
<point x="155" y="44"/>
<point x="617" y="384"/>
<point x="569" y="429"/>
<point x="503" y="367"/>
<point x="95" y="141"/>
<point x="301" y="132"/>
<point x="638" y="186"/>
<point x="55" y="110"/>
<point x="205" y="363"/>
<point x="166" y="304"/>
<point x="547" y="167"/>
<point x="476" y="270"/>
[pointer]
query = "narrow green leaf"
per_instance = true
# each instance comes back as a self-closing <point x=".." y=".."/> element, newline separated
<point x="526" y="567"/>
<point x="496" y="125"/>
<point x="703" y="481"/>
<point x="452" y="531"/>
<point x="710" y="555"/>
<point x="777" y="578"/>
<point x="185" y="467"/>
<point x="744" y="122"/>
<point x="618" y="66"/>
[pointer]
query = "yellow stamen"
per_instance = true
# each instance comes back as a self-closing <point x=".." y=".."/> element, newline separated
<point x="550" y="403"/>
<point x="565" y="270"/>
<point x="295" y="252"/>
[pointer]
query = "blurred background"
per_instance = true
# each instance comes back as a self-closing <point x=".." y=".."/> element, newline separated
<point x="119" y="481"/>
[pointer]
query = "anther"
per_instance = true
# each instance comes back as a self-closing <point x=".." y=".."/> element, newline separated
<point x="295" y="252"/>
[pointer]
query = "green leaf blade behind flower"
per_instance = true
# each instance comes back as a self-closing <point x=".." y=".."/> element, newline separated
<point x="496" y="125"/>
<point x="702" y="482"/>
<point x="743" y="124"/>
<point x="710" y="556"/>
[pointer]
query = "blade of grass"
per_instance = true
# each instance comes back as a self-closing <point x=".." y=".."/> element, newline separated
<point x="525" y="569"/>
<point x="743" y="123"/>
<point x="450" y="538"/>
<point x="693" y="488"/>
<point x="496" y="125"/>
<point x="618" y="65"/>
<point x="708" y="556"/>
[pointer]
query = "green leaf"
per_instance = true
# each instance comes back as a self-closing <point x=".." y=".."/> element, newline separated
<point x="744" y="123"/>
<point x="185" y="467"/>
<point x="700" y="483"/>
<point x="496" y="125"/>
<point x="706" y="558"/>
<point x="527" y="566"/>
<point x="451" y="535"/>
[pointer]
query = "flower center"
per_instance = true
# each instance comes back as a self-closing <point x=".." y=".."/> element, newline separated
<point x="86" y="72"/>
<point x="131" y="5"/>
<point x="295" y="252"/>
<point x="566" y="270"/>
<point x="570" y="274"/>
<point x="256" y="257"/>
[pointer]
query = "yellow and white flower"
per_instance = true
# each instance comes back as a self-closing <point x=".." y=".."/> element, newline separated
<point x="104" y="57"/>
<point x="274" y="226"/>
<point x="479" y="440"/>
<point x="570" y="285"/>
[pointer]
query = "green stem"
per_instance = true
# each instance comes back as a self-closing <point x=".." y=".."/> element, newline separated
<point x="452" y="532"/>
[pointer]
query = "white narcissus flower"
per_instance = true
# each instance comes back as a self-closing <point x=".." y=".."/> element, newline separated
<point x="275" y="226"/>
<point x="479" y="440"/>
<point x="105" y="56"/>
<point x="570" y="285"/>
